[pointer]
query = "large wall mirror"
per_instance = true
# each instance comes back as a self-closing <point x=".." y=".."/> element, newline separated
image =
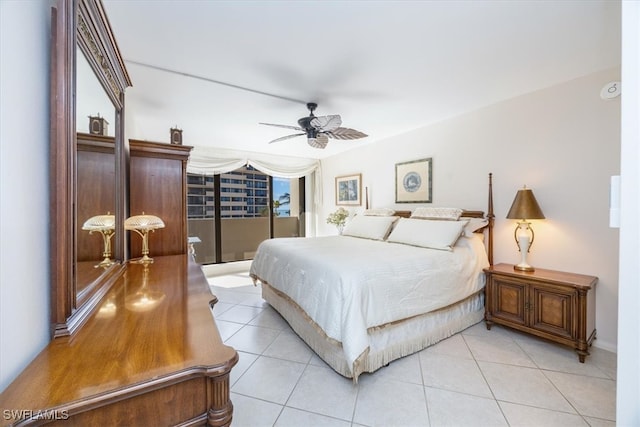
<point x="88" y="161"/>
<point x="95" y="182"/>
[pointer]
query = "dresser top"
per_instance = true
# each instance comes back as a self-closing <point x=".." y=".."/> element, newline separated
<point x="154" y="325"/>
<point x="549" y="276"/>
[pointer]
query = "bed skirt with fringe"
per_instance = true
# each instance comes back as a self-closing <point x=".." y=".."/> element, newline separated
<point x="386" y="342"/>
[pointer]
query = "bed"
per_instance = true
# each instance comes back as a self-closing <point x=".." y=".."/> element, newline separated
<point x="374" y="294"/>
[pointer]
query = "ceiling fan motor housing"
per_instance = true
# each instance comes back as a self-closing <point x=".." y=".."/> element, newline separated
<point x="305" y="123"/>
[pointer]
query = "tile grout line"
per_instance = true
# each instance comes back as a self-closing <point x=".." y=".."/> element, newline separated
<point x="495" y="399"/>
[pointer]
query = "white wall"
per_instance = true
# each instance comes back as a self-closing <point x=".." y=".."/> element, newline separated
<point x="563" y="142"/>
<point x="628" y="389"/>
<point x="24" y="180"/>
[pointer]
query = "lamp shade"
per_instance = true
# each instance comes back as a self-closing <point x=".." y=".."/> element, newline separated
<point x="99" y="223"/>
<point x="525" y="206"/>
<point x="143" y="222"/>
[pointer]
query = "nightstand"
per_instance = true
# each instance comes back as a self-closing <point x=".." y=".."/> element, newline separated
<point x="555" y="305"/>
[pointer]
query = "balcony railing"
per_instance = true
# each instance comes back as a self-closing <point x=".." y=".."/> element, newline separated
<point x="240" y="236"/>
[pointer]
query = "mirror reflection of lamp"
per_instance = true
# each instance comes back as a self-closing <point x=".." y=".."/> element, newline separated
<point x="108" y="308"/>
<point x="524" y="207"/>
<point x="106" y="226"/>
<point x="144" y="299"/>
<point x="143" y="224"/>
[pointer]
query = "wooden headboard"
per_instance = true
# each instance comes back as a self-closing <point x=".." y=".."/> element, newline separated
<point x="475" y="214"/>
<point x="465" y="214"/>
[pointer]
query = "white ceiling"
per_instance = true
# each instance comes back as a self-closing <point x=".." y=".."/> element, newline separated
<point x="386" y="67"/>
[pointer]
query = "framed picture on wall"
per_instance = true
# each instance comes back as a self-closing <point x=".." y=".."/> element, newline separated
<point x="349" y="190"/>
<point x="414" y="181"/>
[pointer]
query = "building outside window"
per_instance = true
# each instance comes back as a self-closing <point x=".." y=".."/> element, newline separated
<point x="244" y="193"/>
<point x="245" y="220"/>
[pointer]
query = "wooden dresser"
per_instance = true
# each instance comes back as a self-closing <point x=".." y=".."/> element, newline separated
<point x="555" y="305"/>
<point x="150" y="355"/>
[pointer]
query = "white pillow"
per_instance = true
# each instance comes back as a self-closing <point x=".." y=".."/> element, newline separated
<point x="474" y="225"/>
<point x="452" y="214"/>
<point x="369" y="227"/>
<point x="427" y="233"/>
<point x="379" y="212"/>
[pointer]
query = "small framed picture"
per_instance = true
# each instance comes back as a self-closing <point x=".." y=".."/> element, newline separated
<point x="414" y="181"/>
<point x="349" y="190"/>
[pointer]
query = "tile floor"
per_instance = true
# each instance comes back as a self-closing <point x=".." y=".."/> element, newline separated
<point x="475" y="378"/>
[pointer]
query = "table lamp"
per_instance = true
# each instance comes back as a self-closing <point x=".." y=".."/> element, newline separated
<point x="524" y="207"/>
<point x="143" y="224"/>
<point x="106" y="226"/>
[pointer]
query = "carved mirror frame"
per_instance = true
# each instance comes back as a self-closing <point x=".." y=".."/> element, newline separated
<point x="82" y="24"/>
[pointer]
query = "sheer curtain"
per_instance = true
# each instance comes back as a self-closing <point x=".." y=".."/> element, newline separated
<point x="215" y="161"/>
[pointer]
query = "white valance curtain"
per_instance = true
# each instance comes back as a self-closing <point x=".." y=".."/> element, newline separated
<point x="215" y="161"/>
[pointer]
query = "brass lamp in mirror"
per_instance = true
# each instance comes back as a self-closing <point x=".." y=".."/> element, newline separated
<point x="143" y="224"/>
<point x="106" y="226"/>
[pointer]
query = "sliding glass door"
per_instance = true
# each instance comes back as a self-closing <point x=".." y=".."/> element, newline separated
<point x="230" y="214"/>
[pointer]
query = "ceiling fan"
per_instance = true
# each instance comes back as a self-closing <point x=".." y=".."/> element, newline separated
<point x="319" y="129"/>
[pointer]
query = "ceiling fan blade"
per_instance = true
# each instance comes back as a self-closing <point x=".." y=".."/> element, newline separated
<point x="320" y="141"/>
<point x="282" y="138"/>
<point x="326" y="123"/>
<point x="282" y="126"/>
<point x="346" y="133"/>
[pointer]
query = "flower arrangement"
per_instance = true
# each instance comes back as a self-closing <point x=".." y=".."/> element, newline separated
<point x="338" y="218"/>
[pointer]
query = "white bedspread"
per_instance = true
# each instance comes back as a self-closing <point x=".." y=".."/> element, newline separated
<point x="347" y="284"/>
